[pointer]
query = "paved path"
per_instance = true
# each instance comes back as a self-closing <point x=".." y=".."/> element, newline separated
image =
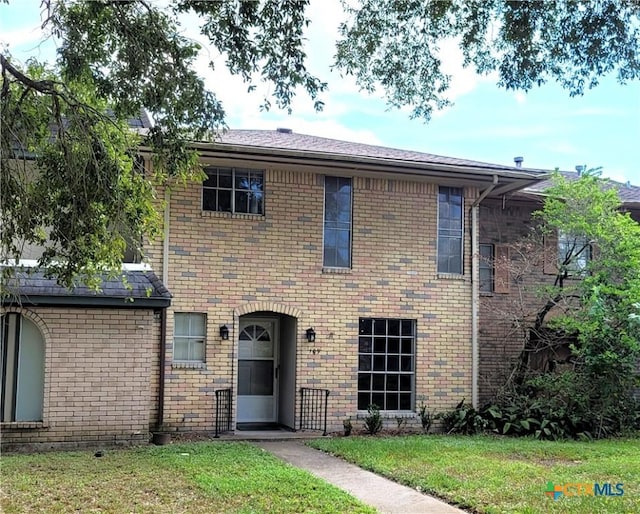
<point x="383" y="494"/>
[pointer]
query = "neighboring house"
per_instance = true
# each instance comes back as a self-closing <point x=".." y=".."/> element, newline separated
<point x="305" y="262"/>
<point x="300" y="262"/>
<point x="80" y="366"/>
<point x="511" y="277"/>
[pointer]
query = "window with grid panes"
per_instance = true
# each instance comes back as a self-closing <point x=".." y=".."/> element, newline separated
<point x="233" y="190"/>
<point x="386" y="363"/>
<point x="189" y="337"/>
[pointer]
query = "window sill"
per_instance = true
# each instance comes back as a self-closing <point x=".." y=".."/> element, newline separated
<point x="389" y="414"/>
<point x="336" y="271"/>
<point x="189" y="365"/>
<point x="232" y="215"/>
<point x="452" y="276"/>
<point x="21" y="425"/>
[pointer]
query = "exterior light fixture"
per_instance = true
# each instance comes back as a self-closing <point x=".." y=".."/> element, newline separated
<point x="311" y="335"/>
<point x="224" y="332"/>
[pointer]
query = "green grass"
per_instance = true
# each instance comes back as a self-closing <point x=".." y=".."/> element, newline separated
<point x="190" y="478"/>
<point x="496" y="475"/>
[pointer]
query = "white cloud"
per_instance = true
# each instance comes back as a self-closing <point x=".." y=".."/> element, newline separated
<point x="343" y="96"/>
<point x="463" y="80"/>
<point x="17" y="37"/>
<point x="520" y="97"/>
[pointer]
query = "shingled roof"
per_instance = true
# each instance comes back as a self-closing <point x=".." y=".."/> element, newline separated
<point x="629" y="194"/>
<point x="286" y="140"/>
<point x="134" y="290"/>
<point x="284" y="149"/>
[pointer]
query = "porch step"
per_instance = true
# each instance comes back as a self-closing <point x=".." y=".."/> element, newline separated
<point x="268" y="435"/>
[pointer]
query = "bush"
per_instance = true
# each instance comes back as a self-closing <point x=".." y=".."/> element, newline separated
<point x="426" y="417"/>
<point x="463" y="420"/>
<point x="373" y="420"/>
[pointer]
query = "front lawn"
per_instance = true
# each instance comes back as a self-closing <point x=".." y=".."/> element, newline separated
<point x="190" y="478"/>
<point x="495" y="475"/>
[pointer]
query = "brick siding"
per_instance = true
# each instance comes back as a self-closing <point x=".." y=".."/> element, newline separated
<point x="229" y="265"/>
<point x="99" y="371"/>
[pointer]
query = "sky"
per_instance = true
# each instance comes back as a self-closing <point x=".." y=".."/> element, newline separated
<point x="546" y="126"/>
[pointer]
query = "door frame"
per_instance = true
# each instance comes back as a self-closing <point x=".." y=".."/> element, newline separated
<point x="247" y="320"/>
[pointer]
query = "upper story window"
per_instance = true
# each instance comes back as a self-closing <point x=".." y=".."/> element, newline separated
<point x="189" y="336"/>
<point x="450" y="235"/>
<point x="337" y="222"/>
<point x="574" y="253"/>
<point x="485" y="268"/>
<point x="494" y="268"/>
<point x="233" y="190"/>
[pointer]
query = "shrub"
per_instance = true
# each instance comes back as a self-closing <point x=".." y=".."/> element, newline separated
<point x="463" y="420"/>
<point x="426" y="417"/>
<point x="373" y="420"/>
<point x="348" y="426"/>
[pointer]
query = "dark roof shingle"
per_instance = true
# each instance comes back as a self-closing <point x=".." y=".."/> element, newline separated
<point x="277" y="139"/>
<point x="628" y="193"/>
<point x="135" y="289"/>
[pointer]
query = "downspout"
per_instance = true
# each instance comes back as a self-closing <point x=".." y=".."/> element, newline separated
<point x="163" y="335"/>
<point x="163" y="313"/>
<point x="475" y="292"/>
<point x="165" y="243"/>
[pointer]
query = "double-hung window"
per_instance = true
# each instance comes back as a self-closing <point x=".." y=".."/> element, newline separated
<point x="337" y="222"/>
<point x="450" y="234"/>
<point x="233" y="190"/>
<point x="189" y="337"/>
<point x="386" y="363"/>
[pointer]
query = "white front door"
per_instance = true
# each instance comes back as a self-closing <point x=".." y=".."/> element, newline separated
<point x="257" y="371"/>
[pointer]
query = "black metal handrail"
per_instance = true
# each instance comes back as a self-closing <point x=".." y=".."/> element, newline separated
<point x="313" y="409"/>
<point x="223" y="411"/>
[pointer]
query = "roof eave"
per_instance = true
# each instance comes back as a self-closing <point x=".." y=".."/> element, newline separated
<point x="88" y="302"/>
<point x="446" y="174"/>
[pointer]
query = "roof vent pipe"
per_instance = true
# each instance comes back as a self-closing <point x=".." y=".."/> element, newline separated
<point x="283" y="130"/>
<point x="518" y="160"/>
<point x="580" y="169"/>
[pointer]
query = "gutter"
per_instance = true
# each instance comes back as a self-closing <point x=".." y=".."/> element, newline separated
<point x="454" y="174"/>
<point x="475" y="292"/>
<point x="116" y="302"/>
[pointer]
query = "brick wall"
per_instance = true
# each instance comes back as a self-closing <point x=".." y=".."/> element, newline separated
<point x="225" y="266"/>
<point x="501" y="336"/>
<point x="98" y="373"/>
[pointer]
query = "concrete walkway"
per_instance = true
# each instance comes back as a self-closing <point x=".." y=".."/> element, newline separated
<point x="383" y="494"/>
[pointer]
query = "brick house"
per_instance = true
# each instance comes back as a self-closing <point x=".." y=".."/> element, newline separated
<point x="503" y="221"/>
<point x="304" y="262"/>
<point x="78" y="366"/>
<point x="300" y="262"/>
